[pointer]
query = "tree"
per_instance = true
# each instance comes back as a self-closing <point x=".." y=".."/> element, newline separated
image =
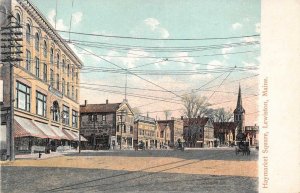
<point x="220" y="115"/>
<point x="195" y="105"/>
<point x="167" y="113"/>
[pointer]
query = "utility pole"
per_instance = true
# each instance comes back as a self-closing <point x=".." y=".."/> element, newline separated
<point x="11" y="50"/>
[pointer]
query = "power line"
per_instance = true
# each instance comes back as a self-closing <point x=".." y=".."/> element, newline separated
<point x="169" y="39"/>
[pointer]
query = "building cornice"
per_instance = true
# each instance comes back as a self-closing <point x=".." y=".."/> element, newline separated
<point x="33" y="11"/>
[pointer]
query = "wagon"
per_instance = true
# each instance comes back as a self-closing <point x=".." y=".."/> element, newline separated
<point x="242" y="147"/>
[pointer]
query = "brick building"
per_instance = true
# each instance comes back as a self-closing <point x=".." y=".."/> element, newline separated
<point x="198" y="132"/>
<point x="104" y="125"/>
<point x="145" y="130"/>
<point x="169" y="131"/>
<point x="45" y="83"/>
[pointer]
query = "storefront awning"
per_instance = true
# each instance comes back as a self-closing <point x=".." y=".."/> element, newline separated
<point x="26" y="128"/>
<point x="74" y="136"/>
<point x="47" y="130"/>
<point x="60" y="133"/>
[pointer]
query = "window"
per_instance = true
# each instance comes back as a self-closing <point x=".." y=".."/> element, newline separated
<point x="51" y="78"/>
<point x="41" y="102"/>
<point x="66" y="115"/>
<point x="63" y="86"/>
<point x="68" y="89"/>
<point x="37" y="67"/>
<point x="76" y="76"/>
<point x="45" y="72"/>
<point x="74" y="118"/>
<point x="23" y="97"/>
<point x="57" y="60"/>
<point x="72" y="92"/>
<point x="103" y="117"/>
<point x="28" y="32"/>
<point x="37" y="42"/>
<point x="51" y="55"/>
<point x="18" y="17"/>
<point x="124" y="128"/>
<point x="28" y="60"/>
<point x="45" y="49"/>
<point x="131" y="129"/>
<point x="63" y="65"/>
<point x="57" y="81"/>
<point x="68" y="69"/>
<point x="55" y="111"/>
<point x="72" y="73"/>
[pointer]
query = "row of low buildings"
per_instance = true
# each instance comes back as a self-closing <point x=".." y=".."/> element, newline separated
<point x="46" y="99"/>
<point x="114" y="125"/>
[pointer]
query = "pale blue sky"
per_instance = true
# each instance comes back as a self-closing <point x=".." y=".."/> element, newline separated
<point x="167" y="20"/>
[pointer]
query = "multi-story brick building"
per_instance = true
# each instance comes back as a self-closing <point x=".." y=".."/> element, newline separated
<point x="104" y="125"/>
<point x="198" y="132"/>
<point x="169" y="131"/>
<point x="46" y="92"/>
<point x="145" y="130"/>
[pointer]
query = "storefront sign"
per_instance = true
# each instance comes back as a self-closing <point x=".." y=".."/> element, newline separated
<point x="55" y="92"/>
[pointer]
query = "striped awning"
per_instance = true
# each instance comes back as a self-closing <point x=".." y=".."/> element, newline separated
<point x="73" y="136"/>
<point x="47" y="130"/>
<point x="26" y="128"/>
<point x="60" y="133"/>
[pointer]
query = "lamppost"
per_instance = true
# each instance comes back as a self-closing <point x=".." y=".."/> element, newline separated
<point x="123" y="113"/>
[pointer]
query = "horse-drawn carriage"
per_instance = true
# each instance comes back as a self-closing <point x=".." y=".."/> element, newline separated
<point x="242" y="146"/>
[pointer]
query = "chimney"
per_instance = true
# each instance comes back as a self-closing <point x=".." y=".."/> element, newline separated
<point x="85" y="102"/>
<point x="106" y="101"/>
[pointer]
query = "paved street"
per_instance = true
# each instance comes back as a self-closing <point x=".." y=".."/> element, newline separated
<point x="214" y="170"/>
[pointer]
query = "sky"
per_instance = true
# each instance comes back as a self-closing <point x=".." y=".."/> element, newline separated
<point x="174" y="47"/>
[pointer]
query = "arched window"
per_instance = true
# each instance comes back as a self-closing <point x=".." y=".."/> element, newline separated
<point x="37" y="42"/>
<point x="18" y="19"/>
<point x="45" y="48"/>
<point x="57" y="60"/>
<point x="63" y="65"/>
<point x="55" y="111"/>
<point x="68" y="69"/>
<point x="72" y="73"/>
<point x="28" y="32"/>
<point x="51" y="55"/>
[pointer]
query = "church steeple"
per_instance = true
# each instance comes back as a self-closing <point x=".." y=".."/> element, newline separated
<point x="239" y="105"/>
<point x="239" y="112"/>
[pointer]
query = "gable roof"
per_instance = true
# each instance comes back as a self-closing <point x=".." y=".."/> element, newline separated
<point x="100" y="108"/>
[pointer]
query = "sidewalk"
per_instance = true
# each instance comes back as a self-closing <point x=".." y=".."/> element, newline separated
<point x="35" y="156"/>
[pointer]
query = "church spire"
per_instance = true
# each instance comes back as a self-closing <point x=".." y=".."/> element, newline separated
<point x="239" y="112"/>
<point x="239" y="104"/>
